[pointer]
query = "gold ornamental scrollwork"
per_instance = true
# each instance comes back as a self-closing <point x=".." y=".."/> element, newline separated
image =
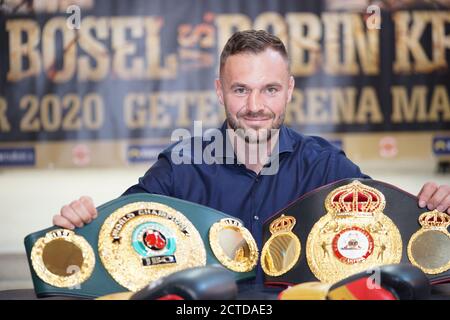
<point x="354" y="235"/>
<point x="144" y="241"/>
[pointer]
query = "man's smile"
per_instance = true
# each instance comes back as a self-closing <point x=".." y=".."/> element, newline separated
<point x="256" y="119"/>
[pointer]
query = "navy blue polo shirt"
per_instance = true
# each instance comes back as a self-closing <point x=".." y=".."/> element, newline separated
<point x="304" y="163"/>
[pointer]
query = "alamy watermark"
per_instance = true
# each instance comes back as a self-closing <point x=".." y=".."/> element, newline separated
<point x="374" y="20"/>
<point x="374" y="280"/>
<point x="74" y="269"/>
<point x="213" y="146"/>
<point x="74" y="20"/>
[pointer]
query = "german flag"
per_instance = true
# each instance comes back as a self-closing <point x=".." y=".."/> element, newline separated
<point x="360" y="290"/>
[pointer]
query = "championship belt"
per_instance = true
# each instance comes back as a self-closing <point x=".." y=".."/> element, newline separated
<point x="135" y="240"/>
<point x="351" y="226"/>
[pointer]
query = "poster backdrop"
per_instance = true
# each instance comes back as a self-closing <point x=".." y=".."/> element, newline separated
<point x="105" y="82"/>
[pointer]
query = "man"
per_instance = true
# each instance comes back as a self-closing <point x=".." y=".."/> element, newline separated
<point x="254" y="86"/>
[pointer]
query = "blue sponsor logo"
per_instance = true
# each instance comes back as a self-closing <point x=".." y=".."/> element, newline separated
<point x="143" y="153"/>
<point x="441" y="146"/>
<point x="17" y="157"/>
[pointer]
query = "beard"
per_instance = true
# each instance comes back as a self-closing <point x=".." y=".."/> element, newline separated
<point x="254" y="135"/>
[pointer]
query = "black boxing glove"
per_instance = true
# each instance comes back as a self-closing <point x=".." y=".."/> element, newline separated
<point x="199" y="283"/>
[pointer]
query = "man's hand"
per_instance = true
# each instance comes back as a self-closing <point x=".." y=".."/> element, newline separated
<point x="435" y="197"/>
<point x="76" y="214"/>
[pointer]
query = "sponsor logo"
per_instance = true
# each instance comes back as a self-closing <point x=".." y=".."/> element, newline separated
<point x="143" y="153"/>
<point x="17" y="157"/>
<point x="388" y="147"/>
<point x="441" y="145"/>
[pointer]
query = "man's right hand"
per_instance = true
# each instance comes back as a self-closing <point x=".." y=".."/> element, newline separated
<point x="76" y="214"/>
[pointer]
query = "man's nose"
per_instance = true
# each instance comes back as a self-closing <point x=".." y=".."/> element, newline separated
<point x="255" y="102"/>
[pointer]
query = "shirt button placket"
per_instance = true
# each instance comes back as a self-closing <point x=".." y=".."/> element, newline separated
<point x="255" y="220"/>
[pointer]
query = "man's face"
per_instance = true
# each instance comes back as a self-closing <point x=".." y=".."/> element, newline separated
<point x="255" y="89"/>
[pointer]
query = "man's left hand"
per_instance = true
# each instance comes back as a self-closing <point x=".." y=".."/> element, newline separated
<point x="434" y="196"/>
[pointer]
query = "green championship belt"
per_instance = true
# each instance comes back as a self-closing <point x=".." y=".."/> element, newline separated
<point x="351" y="226"/>
<point x="137" y="239"/>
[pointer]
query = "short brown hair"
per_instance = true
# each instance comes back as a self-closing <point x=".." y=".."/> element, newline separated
<point x="253" y="41"/>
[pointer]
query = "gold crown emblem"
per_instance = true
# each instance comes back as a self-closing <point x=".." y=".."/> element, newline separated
<point x="434" y="219"/>
<point x="355" y="199"/>
<point x="282" y="224"/>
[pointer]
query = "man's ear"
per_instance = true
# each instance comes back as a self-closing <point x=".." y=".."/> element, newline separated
<point x="219" y="90"/>
<point x="291" y="87"/>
